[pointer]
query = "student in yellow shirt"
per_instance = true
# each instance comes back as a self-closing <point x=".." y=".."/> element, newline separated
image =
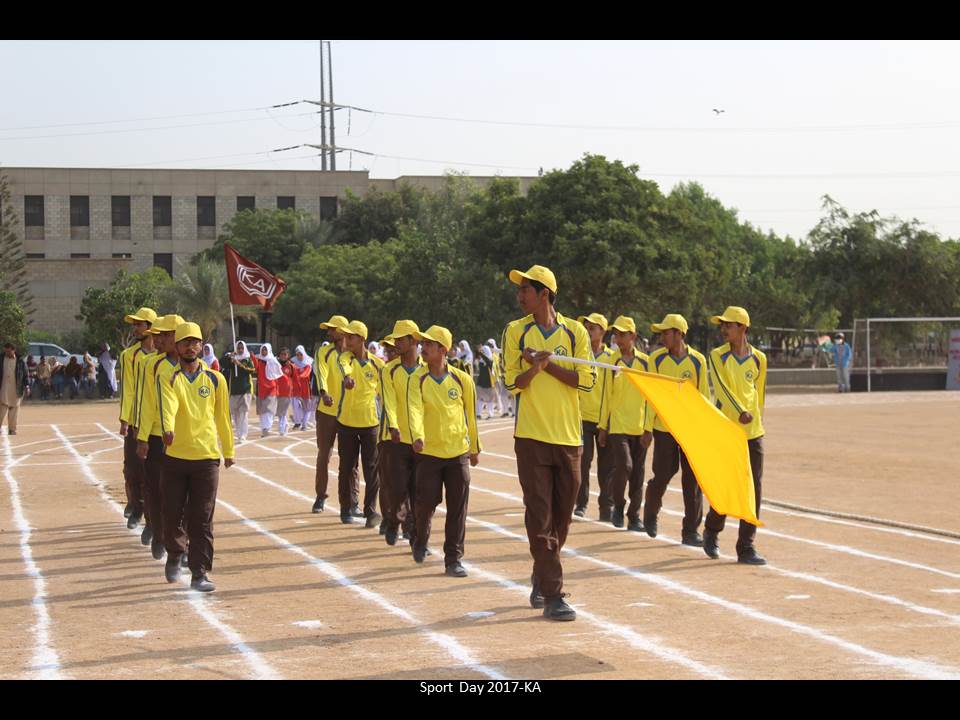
<point x="358" y="422"/>
<point x="590" y="404"/>
<point x="621" y="426"/>
<point x="328" y="374"/>
<point x="547" y="431"/>
<point x="675" y="359"/>
<point x="141" y="364"/>
<point x="444" y="432"/>
<point x="740" y="380"/>
<point x="399" y="461"/>
<point x="194" y="415"/>
<point x="132" y="465"/>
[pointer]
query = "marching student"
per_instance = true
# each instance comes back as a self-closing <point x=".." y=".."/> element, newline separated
<point x="328" y="375"/>
<point x="547" y="430"/>
<point x="675" y="359"/>
<point x="590" y="403"/>
<point x="194" y="416"/>
<point x="398" y="463"/>
<point x="444" y="432"/>
<point x="740" y="382"/>
<point x="239" y="371"/>
<point x="268" y="372"/>
<point x="358" y="422"/>
<point x="506" y="401"/>
<point x="160" y="369"/>
<point x="390" y="351"/>
<point x="487" y="383"/>
<point x="302" y="372"/>
<point x="133" y="465"/>
<point x="622" y="419"/>
<point x="285" y="387"/>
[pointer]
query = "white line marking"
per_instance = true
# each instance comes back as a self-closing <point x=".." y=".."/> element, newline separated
<point x="133" y="633"/>
<point x="798" y="597"/>
<point x="260" y="668"/>
<point x="480" y="614"/>
<point x="309" y="624"/>
<point x="45" y="661"/>
<point x="947" y="591"/>
<point x="641" y="604"/>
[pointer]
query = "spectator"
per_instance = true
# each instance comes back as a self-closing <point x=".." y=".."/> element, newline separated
<point x="88" y="378"/>
<point x="57" y="378"/>
<point x="209" y="358"/>
<point x="32" y="373"/>
<point x="13" y="386"/>
<point x="106" y="373"/>
<point x="72" y="374"/>
<point x="43" y="377"/>
<point x="842" y="360"/>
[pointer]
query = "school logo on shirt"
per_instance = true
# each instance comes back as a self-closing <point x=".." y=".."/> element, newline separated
<point x="453" y="393"/>
<point x="204" y="391"/>
<point x="749" y="375"/>
<point x="368" y="375"/>
<point x="686" y="375"/>
<point x="559" y="350"/>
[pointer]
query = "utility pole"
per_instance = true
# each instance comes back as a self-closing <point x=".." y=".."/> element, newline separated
<point x="333" y="110"/>
<point x="323" y="115"/>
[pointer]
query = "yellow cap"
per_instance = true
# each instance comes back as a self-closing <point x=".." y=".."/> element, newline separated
<point x="188" y="330"/>
<point x="166" y="323"/>
<point x="677" y="322"/>
<point x="595" y="318"/>
<point x="437" y="334"/>
<point x="336" y="321"/>
<point x="624" y="324"/>
<point x="355" y="327"/>
<point x="538" y="273"/>
<point x="732" y="314"/>
<point x="401" y="328"/>
<point x="388" y="340"/>
<point x="144" y="314"/>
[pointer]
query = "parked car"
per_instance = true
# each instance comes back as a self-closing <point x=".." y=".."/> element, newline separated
<point x="50" y="350"/>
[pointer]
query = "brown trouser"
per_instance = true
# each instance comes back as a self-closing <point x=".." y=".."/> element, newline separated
<point x="133" y="473"/>
<point x="433" y="476"/>
<point x="9" y="411"/>
<point x="152" y="482"/>
<point x="353" y="444"/>
<point x="550" y="479"/>
<point x="399" y="482"/>
<point x="628" y="460"/>
<point x="189" y="494"/>
<point x="668" y="456"/>
<point x="748" y="532"/>
<point x="590" y="436"/>
<point x="326" y="436"/>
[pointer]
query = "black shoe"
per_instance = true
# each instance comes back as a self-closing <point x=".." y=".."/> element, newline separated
<point x="346" y="519"/>
<point x="383" y="527"/>
<point x="692" y="539"/>
<point x="405" y="536"/>
<point x="557" y="609"/>
<point x="185" y="560"/>
<point x="133" y="521"/>
<point x="635" y="525"/>
<point x="157" y="549"/>
<point x="536" y="597"/>
<point x="317" y="505"/>
<point x="146" y="536"/>
<point x="580" y="512"/>
<point x="750" y="556"/>
<point x="373" y="520"/>
<point x="616" y="518"/>
<point x="127" y="510"/>
<point x="710" y="546"/>
<point x="202" y="584"/>
<point x="651" y="527"/>
<point x="356" y="512"/>
<point x="455" y="570"/>
<point x="604" y="515"/>
<point x="172" y="570"/>
<point x="390" y="536"/>
<point x="418" y="554"/>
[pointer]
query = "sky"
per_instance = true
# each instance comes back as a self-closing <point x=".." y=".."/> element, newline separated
<point x="874" y="125"/>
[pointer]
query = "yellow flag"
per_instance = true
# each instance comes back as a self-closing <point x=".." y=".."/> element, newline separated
<point x="715" y="446"/>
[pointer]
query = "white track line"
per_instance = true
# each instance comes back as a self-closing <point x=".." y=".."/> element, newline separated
<point x="45" y="661"/>
<point x="50" y="440"/>
<point x="908" y="666"/>
<point x="649" y="645"/>
<point x="260" y="668"/>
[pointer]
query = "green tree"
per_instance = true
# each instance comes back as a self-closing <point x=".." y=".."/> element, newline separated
<point x="13" y="266"/>
<point x="102" y="309"/>
<point x="377" y="216"/>
<point x="274" y="239"/>
<point x="199" y="293"/>
<point x="12" y="321"/>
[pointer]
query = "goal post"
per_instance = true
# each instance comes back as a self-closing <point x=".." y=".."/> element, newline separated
<point x="926" y="344"/>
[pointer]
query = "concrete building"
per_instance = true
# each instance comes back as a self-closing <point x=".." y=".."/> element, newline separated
<point x="80" y="226"/>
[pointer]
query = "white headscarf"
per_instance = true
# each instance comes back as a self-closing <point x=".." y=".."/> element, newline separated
<point x="108" y="364"/>
<point x="208" y="356"/>
<point x="301" y="364"/>
<point x="487" y="352"/>
<point x="245" y="355"/>
<point x="493" y="344"/>
<point x="374" y="349"/>
<point x="465" y="353"/>
<point x="273" y="369"/>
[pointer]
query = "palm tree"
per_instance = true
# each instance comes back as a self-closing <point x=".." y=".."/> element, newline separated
<point x="199" y="293"/>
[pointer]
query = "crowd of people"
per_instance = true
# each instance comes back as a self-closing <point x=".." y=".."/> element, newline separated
<point x="404" y="412"/>
<point x="50" y="379"/>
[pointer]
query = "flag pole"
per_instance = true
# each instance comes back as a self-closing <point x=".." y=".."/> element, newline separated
<point x="233" y="331"/>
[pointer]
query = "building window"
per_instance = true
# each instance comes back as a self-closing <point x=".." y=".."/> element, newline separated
<point x="79" y="211"/>
<point x="120" y="207"/>
<point x="79" y="256"/>
<point x="246" y="202"/>
<point x="165" y="261"/>
<point x="286" y="202"/>
<point x="206" y="211"/>
<point x="122" y="256"/>
<point x="328" y="208"/>
<point x="162" y="211"/>
<point x="36" y="256"/>
<point x="33" y="210"/>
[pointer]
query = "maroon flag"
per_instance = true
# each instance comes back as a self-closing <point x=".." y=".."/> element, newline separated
<point x="249" y="283"/>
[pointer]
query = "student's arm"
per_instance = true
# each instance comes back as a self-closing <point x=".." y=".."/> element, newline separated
<point x="762" y="383"/>
<point x="704" y="383"/>
<point x="169" y="403"/>
<point x="221" y="414"/>
<point x="469" y="407"/>
<point x="390" y="397"/>
<point x="415" y="409"/>
<point x="607" y="384"/>
<point x="148" y="406"/>
<point x="513" y="371"/>
<point x="722" y="383"/>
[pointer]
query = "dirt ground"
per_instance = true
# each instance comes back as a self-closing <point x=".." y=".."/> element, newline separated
<point x="303" y="596"/>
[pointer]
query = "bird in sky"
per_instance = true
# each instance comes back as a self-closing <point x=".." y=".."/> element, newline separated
<point x="718" y="111"/>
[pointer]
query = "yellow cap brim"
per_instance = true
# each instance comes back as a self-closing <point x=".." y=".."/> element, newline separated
<point x="623" y="329"/>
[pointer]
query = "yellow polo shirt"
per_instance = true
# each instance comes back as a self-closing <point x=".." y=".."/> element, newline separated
<point x="161" y="369"/>
<point x="740" y="385"/>
<point x="358" y="407"/>
<point x="692" y="367"/>
<point x="592" y="400"/>
<point x="547" y="409"/>
<point x="328" y="371"/>
<point x="197" y="411"/>
<point x="442" y="412"/>
<point x="128" y="384"/>
<point x="624" y="408"/>
<point x="396" y="389"/>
